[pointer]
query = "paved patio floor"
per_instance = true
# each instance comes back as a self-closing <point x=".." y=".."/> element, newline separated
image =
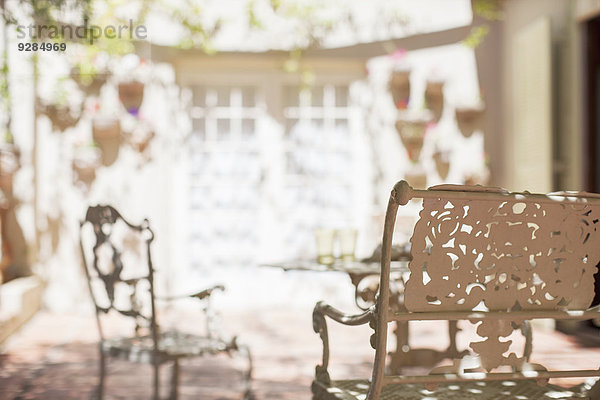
<point x="55" y="357"/>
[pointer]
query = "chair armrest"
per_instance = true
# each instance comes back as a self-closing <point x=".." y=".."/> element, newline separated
<point x="207" y="292"/>
<point x="322" y="310"/>
<point x="201" y="295"/>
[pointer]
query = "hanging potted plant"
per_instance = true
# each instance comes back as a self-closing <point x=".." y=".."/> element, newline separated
<point x="469" y="119"/>
<point x="131" y="95"/>
<point x="416" y="176"/>
<point x="139" y="140"/>
<point x="62" y="113"/>
<point x="106" y="133"/>
<point x="9" y="164"/>
<point x="412" y="126"/>
<point x="89" y="80"/>
<point x="434" y="98"/>
<point x="481" y="176"/>
<point x="60" y="116"/>
<point x="399" y="86"/>
<point x="442" y="163"/>
<point x="86" y="160"/>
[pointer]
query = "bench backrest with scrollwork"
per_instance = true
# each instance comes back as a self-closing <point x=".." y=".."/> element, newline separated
<point x="496" y="259"/>
<point x="118" y="266"/>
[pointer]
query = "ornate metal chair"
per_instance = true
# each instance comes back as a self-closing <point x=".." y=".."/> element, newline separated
<point x="495" y="259"/>
<point x="118" y="266"/>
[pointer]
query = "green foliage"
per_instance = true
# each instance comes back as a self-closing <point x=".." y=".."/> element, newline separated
<point x="199" y="32"/>
<point x="275" y="4"/>
<point x="60" y="92"/>
<point x="478" y="33"/>
<point x="4" y="93"/>
<point x="488" y="9"/>
<point x="253" y="19"/>
<point x="49" y="12"/>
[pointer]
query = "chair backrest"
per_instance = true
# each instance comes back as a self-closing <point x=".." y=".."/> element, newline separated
<point x="485" y="249"/>
<point x="504" y="250"/>
<point x="118" y="266"/>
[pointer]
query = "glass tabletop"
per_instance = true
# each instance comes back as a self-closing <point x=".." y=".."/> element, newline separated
<point x="349" y="267"/>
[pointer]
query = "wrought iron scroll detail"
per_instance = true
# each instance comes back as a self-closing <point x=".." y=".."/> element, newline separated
<point x="320" y="326"/>
<point x="102" y="218"/>
<point x="505" y="253"/>
<point x="510" y="255"/>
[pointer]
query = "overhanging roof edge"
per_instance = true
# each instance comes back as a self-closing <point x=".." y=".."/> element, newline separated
<point x="360" y="51"/>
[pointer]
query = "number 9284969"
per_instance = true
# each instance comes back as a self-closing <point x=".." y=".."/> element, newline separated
<point x="42" y="46"/>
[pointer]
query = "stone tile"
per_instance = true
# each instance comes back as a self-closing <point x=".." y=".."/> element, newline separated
<point x="55" y="357"/>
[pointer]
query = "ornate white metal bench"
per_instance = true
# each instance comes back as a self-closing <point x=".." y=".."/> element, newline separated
<point x="496" y="259"/>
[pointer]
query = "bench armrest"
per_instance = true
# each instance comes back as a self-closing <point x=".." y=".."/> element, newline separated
<point x="322" y="310"/>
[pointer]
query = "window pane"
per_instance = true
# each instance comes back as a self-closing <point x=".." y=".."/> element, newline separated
<point x="292" y="166"/>
<point x="197" y="163"/>
<point x="223" y="96"/>
<point x="291" y="96"/>
<point x="198" y="96"/>
<point x="290" y="123"/>
<point x="248" y="96"/>
<point x="341" y="96"/>
<point x="316" y="96"/>
<point x="198" y="127"/>
<point x="223" y="129"/>
<point x="341" y="124"/>
<point x="247" y="126"/>
<point x="317" y="123"/>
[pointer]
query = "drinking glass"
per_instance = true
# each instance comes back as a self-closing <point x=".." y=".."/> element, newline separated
<point x="325" y="237"/>
<point x="347" y="237"/>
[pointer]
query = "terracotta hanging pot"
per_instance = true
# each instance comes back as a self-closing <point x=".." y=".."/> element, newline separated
<point x="107" y="135"/>
<point x="469" y="119"/>
<point x="84" y="165"/>
<point x="139" y="140"/>
<point x="416" y="177"/>
<point x="442" y="163"/>
<point x="399" y="85"/>
<point x="481" y="177"/>
<point x="131" y="95"/>
<point x="412" y="129"/>
<point x="9" y="164"/>
<point x="60" y="117"/>
<point x="13" y="260"/>
<point x="89" y="84"/>
<point x="434" y="98"/>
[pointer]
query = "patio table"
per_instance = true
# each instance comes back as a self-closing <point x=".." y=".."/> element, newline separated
<point x="364" y="297"/>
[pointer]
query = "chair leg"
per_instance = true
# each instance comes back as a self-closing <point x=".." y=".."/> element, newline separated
<point x="398" y="357"/>
<point x="526" y="330"/>
<point x="248" y="395"/>
<point x="594" y="392"/>
<point x="155" y="378"/>
<point x="174" y="380"/>
<point x="98" y="394"/>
